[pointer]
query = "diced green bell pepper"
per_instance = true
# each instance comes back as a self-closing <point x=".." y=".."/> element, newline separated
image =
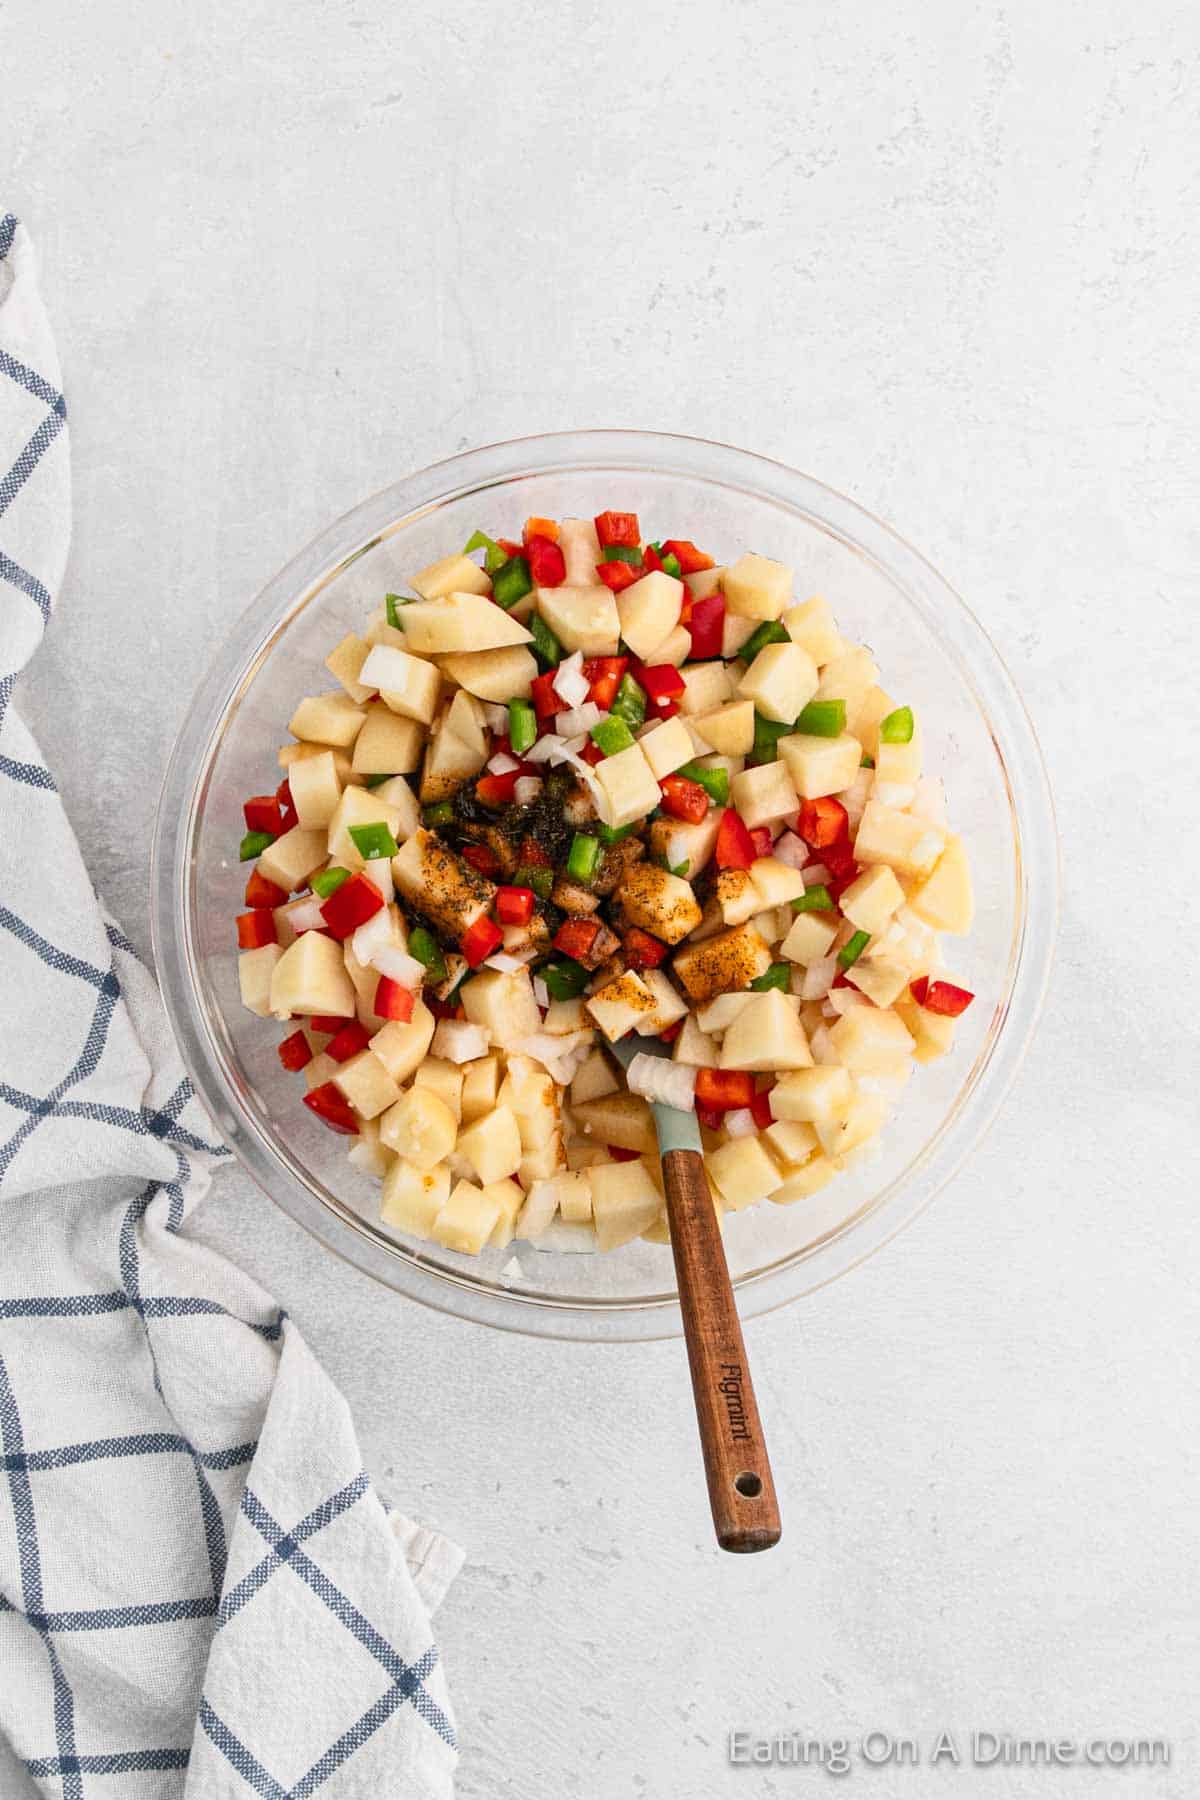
<point x="522" y="726"/>
<point x="374" y="781"/>
<point x="545" y="644"/>
<point x="495" y="558"/>
<point x="253" y="844"/>
<point x="630" y="702"/>
<point x="329" y="881"/>
<point x="612" y="735"/>
<point x="610" y="834"/>
<point x="511" y="583"/>
<point x="583" y="857"/>
<point x="897" y="728"/>
<point x="850" y="953"/>
<point x="441" y="812"/>
<point x="533" y="876"/>
<point x="767" y="733"/>
<point x="393" y="603"/>
<point x="672" y="566"/>
<point x="779" y="975"/>
<point x="374" y="840"/>
<point x="814" y="899"/>
<point x="769" y="632"/>
<point x="715" y="782"/>
<point x="424" y="946"/>
<point x="626" y="553"/>
<point x="564" y="980"/>
<point x="823" y="718"/>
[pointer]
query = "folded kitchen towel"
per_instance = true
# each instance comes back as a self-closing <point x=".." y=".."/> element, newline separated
<point x="201" y="1593"/>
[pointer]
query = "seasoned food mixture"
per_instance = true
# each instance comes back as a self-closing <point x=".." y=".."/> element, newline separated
<point x="578" y="787"/>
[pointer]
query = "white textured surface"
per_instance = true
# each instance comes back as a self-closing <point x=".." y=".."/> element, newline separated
<point x="943" y="256"/>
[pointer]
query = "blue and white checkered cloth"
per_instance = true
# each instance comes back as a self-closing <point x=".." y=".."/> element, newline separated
<point x="200" y="1592"/>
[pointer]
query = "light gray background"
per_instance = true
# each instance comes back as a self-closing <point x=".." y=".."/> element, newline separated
<point x="943" y="256"/>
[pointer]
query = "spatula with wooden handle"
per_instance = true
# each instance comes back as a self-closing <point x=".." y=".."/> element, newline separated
<point x="741" y="1491"/>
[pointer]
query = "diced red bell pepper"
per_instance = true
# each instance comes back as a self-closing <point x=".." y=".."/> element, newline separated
<point x="838" y="858"/>
<point x="546" y="528"/>
<point x="295" y="1052"/>
<point x="497" y="790"/>
<point x="760" y="1108"/>
<point x="762" y="840"/>
<point x="347" y="1042"/>
<point x="514" y="905"/>
<point x="261" y="892"/>
<point x="287" y="806"/>
<point x="592" y="754"/>
<point x="480" y="939"/>
<point x="663" y="709"/>
<point x="941" y="997"/>
<point x="256" y="928"/>
<point x="671" y="1033"/>
<point x="351" y="905"/>
<point x="575" y="937"/>
<point x="333" y="1109"/>
<point x="547" y="565"/>
<point x="546" y="701"/>
<point x="263" y="813"/>
<point x="683" y="799"/>
<point x="532" y="855"/>
<point x="707" y="626"/>
<point x="641" y="950"/>
<point x="481" y="857"/>
<point x="603" y="673"/>
<point x="660" y="680"/>
<point x="710" y="1117"/>
<point x="392" y="1001"/>
<point x="724" y="1090"/>
<point x="619" y="528"/>
<point x="823" y="821"/>
<point x="618" y="575"/>
<point x="690" y="560"/>
<point x="619" y="1155"/>
<point x="651" y="558"/>
<point x="734" y="847"/>
<point x="445" y="1009"/>
<point x="326" y="1023"/>
<point x="509" y="548"/>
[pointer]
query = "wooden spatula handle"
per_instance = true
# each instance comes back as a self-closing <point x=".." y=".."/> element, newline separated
<point x="740" y="1488"/>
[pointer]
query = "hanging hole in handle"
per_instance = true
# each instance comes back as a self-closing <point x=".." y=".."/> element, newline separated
<point x="748" y="1484"/>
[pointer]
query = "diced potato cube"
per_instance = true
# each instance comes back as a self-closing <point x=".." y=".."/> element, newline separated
<point x="911" y="846"/>
<point x="932" y="1033"/>
<point x="413" y="1198"/>
<point x="378" y="631"/>
<point x="707" y="687"/>
<point x="764" y="793"/>
<point x="582" y="618"/>
<point x="402" y="1048"/>
<point x="509" y="1199"/>
<point x="791" y="1143"/>
<point x="623" y="1120"/>
<point x="704" y="582"/>
<point x="694" y="1047"/>
<point x="429" y="875"/>
<point x="669" y="1004"/>
<point x="357" y="806"/>
<point x="811" y="625"/>
<point x="625" y="1202"/>
<point x="419" y="1127"/>
<point x="289" y="754"/>
<point x="397" y="795"/>
<point x="445" y="1079"/>
<point x="345" y="665"/>
<point x="737" y="896"/>
<point x="629" y="790"/>
<point x="742" y="1171"/>
<point x="459" y="621"/>
<point x="480" y="1084"/>
<point x="539" y="1165"/>
<point x="574" y="1198"/>
<point x="730" y="960"/>
<point x="849" y="677"/>
<point x="810" y="937"/>
<point x="866" y="1039"/>
<point x="539" y="1211"/>
<point x="367" y="1153"/>
<point x="775" y="882"/>
<point x="757" y="588"/>
<point x="315" y="790"/>
<point x="867" y="1114"/>
<point x="648" y="609"/>
<point x="581" y="550"/>
<point x="310" y="977"/>
<point x="292" y="858"/>
<point x="331" y="718"/>
<point x="735" y="632"/>
<point x="667" y="747"/>
<point x="872" y="898"/>
<point x="658" y="901"/>
<point x="780" y="682"/>
<point x="387" y="744"/>
<point x="495" y="675"/>
<point x="503" y="1004"/>
<point x="730" y="729"/>
<point x="532" y="1097"/>
<point x="467" y="1220"/>
<point x="677" y="841"/>
<point x="321" y="1069"/>
<point x="492" y="1145"/>
<point x="945" y="899"/>
<point x="256" y="974"/>
<point x="563" y="1017"/>
<point x="451" y="575"/>
<point x="820" y="765"/>
<point x="366" y="1084"/>
<point x="804" y="1182"/>
<point x="767" y="1034"/>
<point x="720" y="1013"/>
<point x="816" y="1096"/>
<point x="674" y="650"/>
<point x="881" y="982"/>
<point x="621" y="1005"/>
<point x="593" y="1079"/>
<point x="408" y="685"/>
<point x="869" y="715"/>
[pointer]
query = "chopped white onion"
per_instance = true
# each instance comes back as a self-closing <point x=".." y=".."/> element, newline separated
<point x="379" y="873"/>
<point x="894" y="793"/>
<point x="816" y="875"/>
<point x="399" y="966"/>
<point x="372" y="937"/>
<point x="507" y="962"/>
<point x="791" y="850"/>
<point x="553" y="749"/>
<point x="930" y="801"/>
<point x="740" y="1123"/>
<point x="843" y="1000"/>
<point x="579" y="721"/>
<point x="459" y="1042"/>
<point x="306" y="915"/>
<point x="821" y="1045"/>
<point x="502" y="764"/>
<point x="527" y="789"/>
<point x="668" y="1083"/>
<point x="544" y="749"/>
<point x="819" y="977"/>
<point x="497" y="717"/>
<point x="855" y="797"/>
<point x="559" y="1056"/>
<point x="541" y="992"/>
<point x="570" y="683"/>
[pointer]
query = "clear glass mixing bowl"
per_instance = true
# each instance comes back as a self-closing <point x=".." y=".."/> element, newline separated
<point x="930" y="650"/>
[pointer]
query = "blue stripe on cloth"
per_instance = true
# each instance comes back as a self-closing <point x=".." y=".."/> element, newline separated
<point x="85" y="1064"/>
<point x="8" y="230"/>
<point x="361" y="1730"/>
<point x="313" y="1522"/>
<point x="32" y="382"/>
<point x="116" y="1762"/>
<point x="30" y="457"/>
<point x="142" y="1443"/>
<point x="63" y="1306"/>
<point x="105" y="980"/>
<point x="118" y="1618"/>
<point x="26" y="583"/>
<point x="238" y="1757"/>
<point x="12" y="1441"/>
<point x="32" y="774"/>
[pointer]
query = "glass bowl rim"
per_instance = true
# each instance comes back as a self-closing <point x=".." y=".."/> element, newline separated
<point x="385" y="513"/>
